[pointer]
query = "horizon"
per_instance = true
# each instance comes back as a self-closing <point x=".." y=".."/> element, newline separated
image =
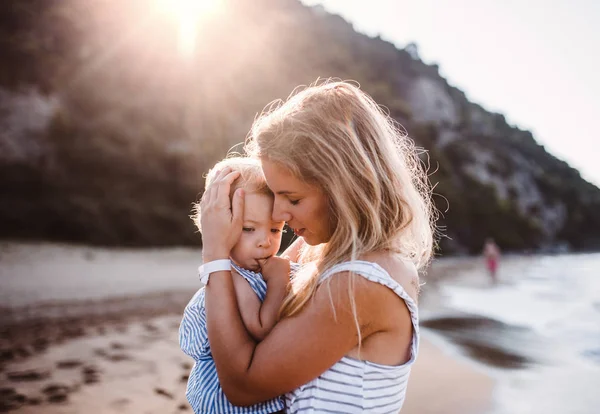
<point x="528" y="59"/>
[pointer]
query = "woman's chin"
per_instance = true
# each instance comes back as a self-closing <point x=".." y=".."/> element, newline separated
<point x="311" y="240"/>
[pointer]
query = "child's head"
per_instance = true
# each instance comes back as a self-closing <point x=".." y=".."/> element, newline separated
<point x="261" y="236"/>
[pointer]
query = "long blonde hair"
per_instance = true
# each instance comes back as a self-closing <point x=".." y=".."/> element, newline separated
<point x="334" y="136"/>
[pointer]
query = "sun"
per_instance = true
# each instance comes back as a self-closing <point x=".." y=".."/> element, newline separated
<point x="189" y="14"/>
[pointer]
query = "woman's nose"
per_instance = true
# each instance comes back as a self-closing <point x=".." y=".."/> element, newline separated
<point x="279" y="213"/>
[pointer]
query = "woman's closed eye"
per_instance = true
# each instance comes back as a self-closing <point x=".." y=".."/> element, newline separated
<point x="247" y="229"/>
<point x="294" y="202"/>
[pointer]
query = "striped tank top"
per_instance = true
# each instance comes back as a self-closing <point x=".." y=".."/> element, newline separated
<point x="204" y="392"/>
<point x="356" y="386"/>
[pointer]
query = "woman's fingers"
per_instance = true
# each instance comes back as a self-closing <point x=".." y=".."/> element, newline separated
<point x="218" y="190"/>
<point x="208" y="196"/>
<point x="223" y="185"/>
<point x="237" y="208"/>
<point x="221" y="218"/>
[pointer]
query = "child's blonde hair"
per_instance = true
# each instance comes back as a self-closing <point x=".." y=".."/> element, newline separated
<point x="251" y="179"/>
<point x="334" y="136"/>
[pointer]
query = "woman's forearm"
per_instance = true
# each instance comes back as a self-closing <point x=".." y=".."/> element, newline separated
<point x="229" y="340"/>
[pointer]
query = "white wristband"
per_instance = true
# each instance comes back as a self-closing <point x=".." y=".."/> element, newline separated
<point x="215" y="266"/>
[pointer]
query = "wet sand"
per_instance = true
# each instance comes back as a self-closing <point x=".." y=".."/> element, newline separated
<point x="442" y="382"/>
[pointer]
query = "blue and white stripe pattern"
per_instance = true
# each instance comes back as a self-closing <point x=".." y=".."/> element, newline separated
<point x="204" y="391"/>
<point x="354" y="386"/>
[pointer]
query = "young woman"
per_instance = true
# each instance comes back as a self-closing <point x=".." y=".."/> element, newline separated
<point x="353" y="190"/>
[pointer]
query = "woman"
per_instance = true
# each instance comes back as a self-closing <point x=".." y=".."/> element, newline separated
<point x="350" y="185"/>
<point x="491" y="252"/>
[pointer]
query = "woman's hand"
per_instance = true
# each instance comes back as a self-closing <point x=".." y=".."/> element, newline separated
<point x="221" y="219"/>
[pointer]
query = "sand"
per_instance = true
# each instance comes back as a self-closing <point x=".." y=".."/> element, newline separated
<point x="445" y="383"/>
<point x="86" y="341"/>
<point x="138" y="367"/>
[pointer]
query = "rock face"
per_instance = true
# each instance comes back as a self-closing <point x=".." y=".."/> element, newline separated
<point x="545" y="199"/>
<point x="108" y="143"/>
<point x="25" y="117"/>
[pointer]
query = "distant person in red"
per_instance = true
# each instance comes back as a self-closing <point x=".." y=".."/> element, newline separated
<point x="491" y="252"/>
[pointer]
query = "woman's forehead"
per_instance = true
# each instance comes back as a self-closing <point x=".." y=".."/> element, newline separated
<point x="282" y="181"/>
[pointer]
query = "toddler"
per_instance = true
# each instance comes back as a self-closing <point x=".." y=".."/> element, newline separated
<point x="260" y="240"/>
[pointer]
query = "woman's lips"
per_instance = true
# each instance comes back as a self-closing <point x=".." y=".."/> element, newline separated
<point x="299" y="232"/>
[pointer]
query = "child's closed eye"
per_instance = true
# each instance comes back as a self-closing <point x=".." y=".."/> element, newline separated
<point x="248" y="229"/>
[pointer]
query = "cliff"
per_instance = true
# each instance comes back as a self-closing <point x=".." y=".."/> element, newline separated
<point x="106" y="127"/>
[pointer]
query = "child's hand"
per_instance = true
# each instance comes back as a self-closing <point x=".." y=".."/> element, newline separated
<point x="275" y="267"/>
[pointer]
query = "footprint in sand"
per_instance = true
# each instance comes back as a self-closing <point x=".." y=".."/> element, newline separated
<point x="56" y="393"/>
<point x="112" y="356"/>
<point x="10" y="399"/>
<point x="27" y="375"/>
<point x="68" y="364"/>
<point x="91" y="374"/>
<point x="164" y="393"/>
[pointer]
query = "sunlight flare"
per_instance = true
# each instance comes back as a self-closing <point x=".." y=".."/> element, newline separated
<point x="189" y="14"/>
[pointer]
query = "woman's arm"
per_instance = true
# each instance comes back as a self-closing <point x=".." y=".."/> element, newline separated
<point x="298" y="348"/>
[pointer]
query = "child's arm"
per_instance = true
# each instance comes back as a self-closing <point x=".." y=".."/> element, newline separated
<point x="248" y="303"/>
<point x="276" y="272"/>
<point x="261" y="318"/>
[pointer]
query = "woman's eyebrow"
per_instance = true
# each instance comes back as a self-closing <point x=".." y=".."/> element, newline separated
<point x="285" y="192"/>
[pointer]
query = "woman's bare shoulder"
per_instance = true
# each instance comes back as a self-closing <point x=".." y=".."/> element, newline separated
<point x="400" y="269"/>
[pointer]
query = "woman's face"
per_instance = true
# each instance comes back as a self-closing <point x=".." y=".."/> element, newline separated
<point x="302" y="206"/>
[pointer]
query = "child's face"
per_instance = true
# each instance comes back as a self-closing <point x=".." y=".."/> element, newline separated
<point x="261" y="236"/>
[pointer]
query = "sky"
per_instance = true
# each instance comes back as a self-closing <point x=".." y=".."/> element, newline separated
<point x="535" y="61"/>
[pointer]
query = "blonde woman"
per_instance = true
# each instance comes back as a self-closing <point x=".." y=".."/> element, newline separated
<point x="351" y="187"/>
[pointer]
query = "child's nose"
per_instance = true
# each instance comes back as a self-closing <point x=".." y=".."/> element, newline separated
<point x="264" y="241"/>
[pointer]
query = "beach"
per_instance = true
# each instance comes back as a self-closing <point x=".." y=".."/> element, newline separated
<point x="138" y="367"/>
<point x="96" y="330"/>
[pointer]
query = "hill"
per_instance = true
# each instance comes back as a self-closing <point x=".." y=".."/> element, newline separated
<point x="106" y="127"/>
